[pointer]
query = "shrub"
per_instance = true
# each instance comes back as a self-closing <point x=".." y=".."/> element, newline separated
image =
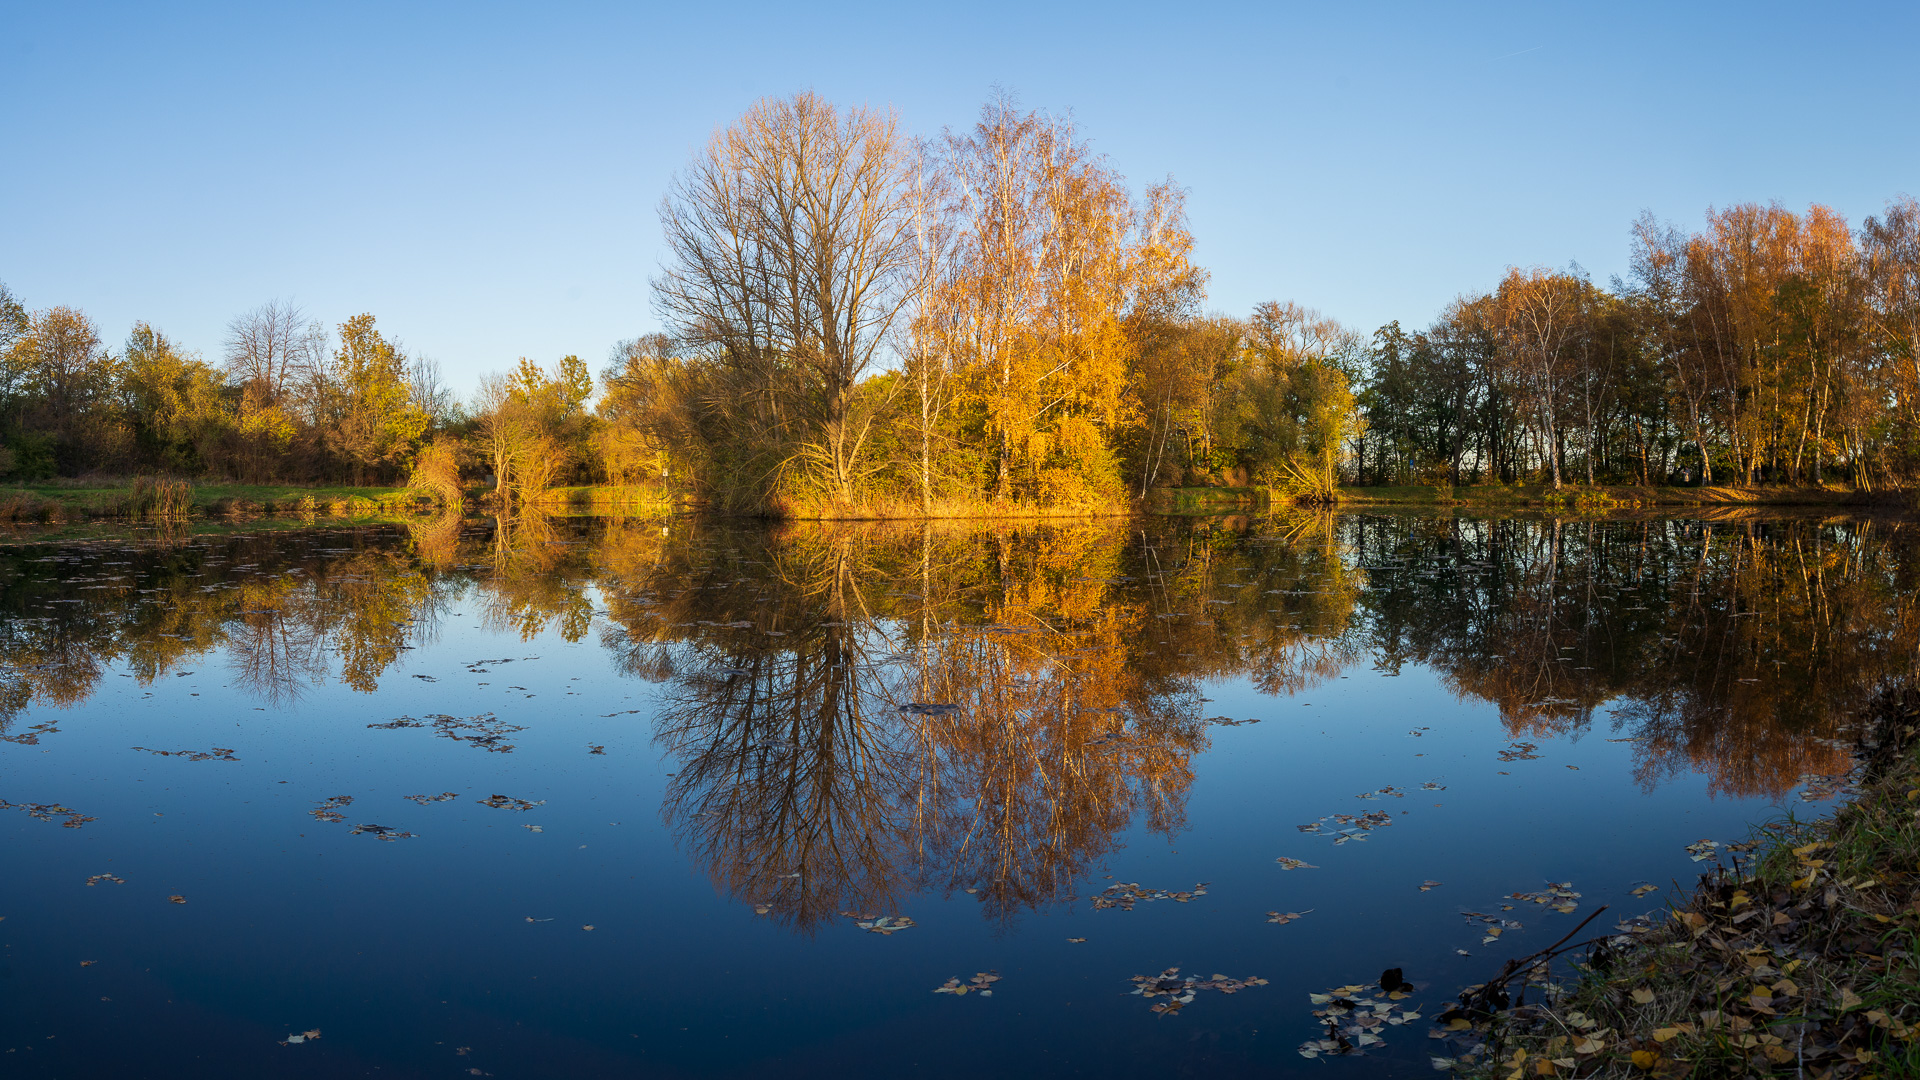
<point x="159" y="498"/>
<point x="437" y="471"/>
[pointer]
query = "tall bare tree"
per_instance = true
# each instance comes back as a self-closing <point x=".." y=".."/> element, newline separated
<point x="272" y="348"/>
<point x="791" y="252"/>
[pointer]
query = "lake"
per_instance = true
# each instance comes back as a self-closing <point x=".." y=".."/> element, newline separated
<point x="585" y="797"/>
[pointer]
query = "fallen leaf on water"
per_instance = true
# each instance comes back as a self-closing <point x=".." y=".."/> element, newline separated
<point x="330" y="809"/>
<point x="177" y="899"/>
<point x="880" y="924"/>
<point x="383" y="832"/>
<point x="1428" y="886"/>
<point x="589" y="926"/>
<point x="508" y="802"/>
<point x="1284" y="917"/>
<point x="1294" y="864"/>
<point x="1180" y="992"/>
<point x="1125" y="894"/>
<point x="88" y="963"/>
<point x="1702" y="850"/>
<point x="1075" y="940"/>
<point x="981" y="983"/>
<point x="1642" y="890"/>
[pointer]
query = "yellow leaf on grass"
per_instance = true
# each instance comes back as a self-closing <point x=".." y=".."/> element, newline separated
<point x="1643" y="995"/>
<point x="1666" y="1033"/>
<point x="1849" y="1000"/>
<point x="1645" y="1059"/>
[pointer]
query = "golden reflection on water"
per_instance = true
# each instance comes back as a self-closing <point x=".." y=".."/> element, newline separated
<point x="1068" y="659"/>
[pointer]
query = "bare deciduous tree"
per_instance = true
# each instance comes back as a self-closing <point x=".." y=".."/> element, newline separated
<point x="272" y="348"/>
<point x="792" y="251"/>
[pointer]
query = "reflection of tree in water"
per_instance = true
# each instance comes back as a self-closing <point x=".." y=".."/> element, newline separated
<point x="537" y="574"/>
<point x="796" y="778"/>
<point x="795" y="756"/>
<point x="278" y="645"/>
<point x="1074" y="655"/>
<point x="279" y="607"/>
<point x="1728" y="648"/>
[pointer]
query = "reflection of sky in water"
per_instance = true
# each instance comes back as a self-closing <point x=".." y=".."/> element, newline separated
<point x="1087" y="661"/>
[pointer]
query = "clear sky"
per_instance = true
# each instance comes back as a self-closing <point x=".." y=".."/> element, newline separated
<point x="484" y="177"/>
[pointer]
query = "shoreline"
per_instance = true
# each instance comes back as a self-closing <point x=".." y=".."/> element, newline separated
<point x="1802" y="960"/>
<point x="79" y="501"/>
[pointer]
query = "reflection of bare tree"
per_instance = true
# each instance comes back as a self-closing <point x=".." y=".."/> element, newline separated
<point x="278" y="646"/>
<point x="537" y="577"/>
<point x="796" y="758"/>
<point x="797" y="780"/>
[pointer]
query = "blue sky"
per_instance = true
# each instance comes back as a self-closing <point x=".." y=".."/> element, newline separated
<point x="484" y="178"/>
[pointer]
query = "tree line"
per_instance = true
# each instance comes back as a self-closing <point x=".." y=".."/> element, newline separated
<point x="1768" y="347"/>
<point x="856" y="320"/>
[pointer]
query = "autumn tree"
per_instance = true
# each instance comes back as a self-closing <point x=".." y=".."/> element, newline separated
<point x="173" y="401"/>
<point x="1891" y="263"/>
<point x="1537" y="315"/>
<point x="366" y="413"/>
<point x="657" y="415"/>
<point x="1290" y="409"/>
<point x="791" y="254"/>
<point x="1050" y="259"/>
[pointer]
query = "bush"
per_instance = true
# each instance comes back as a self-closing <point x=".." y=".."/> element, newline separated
<point x="437" y="471"/>
<point x="160" y="498"/>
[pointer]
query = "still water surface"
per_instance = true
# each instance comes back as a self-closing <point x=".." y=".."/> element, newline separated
<point x="583" y="798"/>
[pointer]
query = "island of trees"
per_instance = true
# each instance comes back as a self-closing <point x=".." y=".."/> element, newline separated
<point x="859" y="322"/>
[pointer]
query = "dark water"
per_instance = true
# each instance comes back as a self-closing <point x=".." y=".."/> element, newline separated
<point x="706" y="782"/>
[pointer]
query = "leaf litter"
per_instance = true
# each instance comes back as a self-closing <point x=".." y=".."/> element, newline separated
<point x="486" y="731"/>
<point x="218" y="753"/>
<point x="329" y="809"/>
<point x="508" y="802"/>
<point x="881" y="924"/>
<point x="1179" y="993"/>
<point x="1125" y="894"/>
<point x="981" y="983"/>
<point x="1355" y="1015"/>
<point x="47" y="812"/>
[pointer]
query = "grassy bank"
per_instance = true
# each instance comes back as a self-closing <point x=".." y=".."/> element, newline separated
<point x="130" y="499"/>
<point x="1607" y="497"/>
<point x="1803" y="961"/>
